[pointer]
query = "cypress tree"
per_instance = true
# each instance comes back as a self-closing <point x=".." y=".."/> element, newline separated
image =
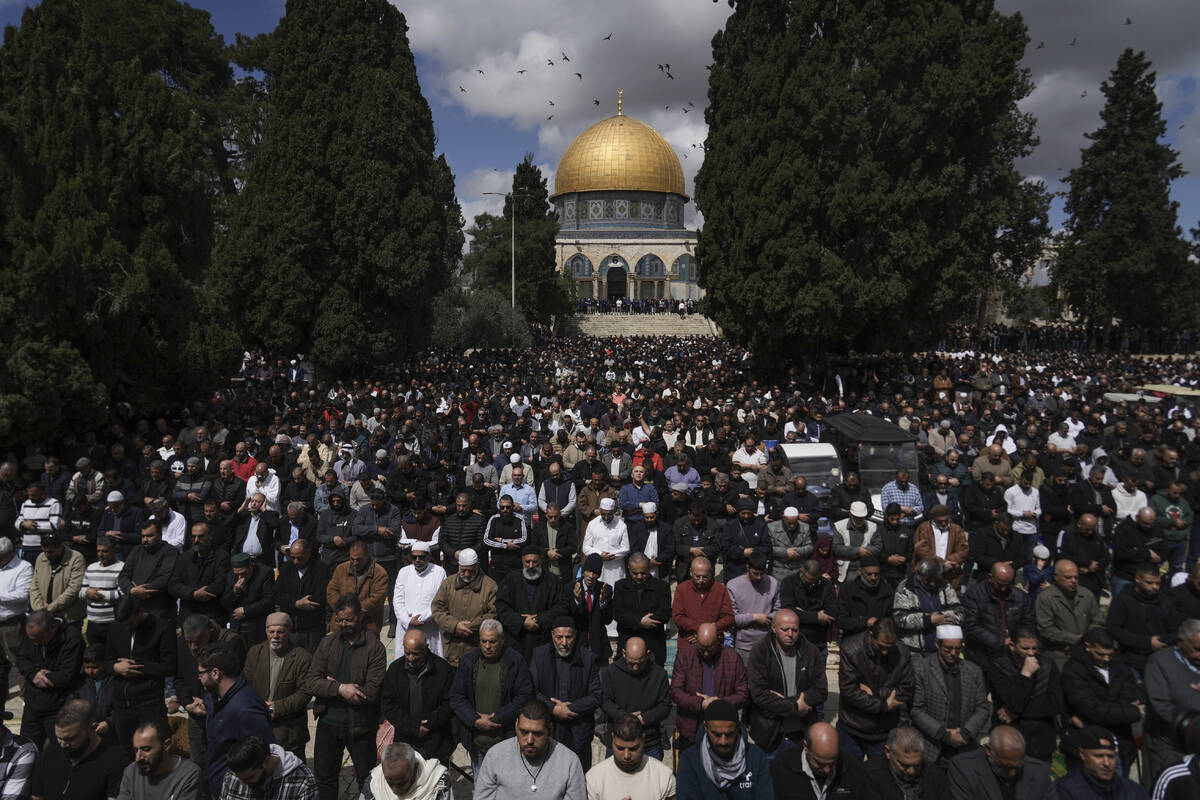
<point x="112" y="170"/>
<point x="858" y="188"/>
<point x="1122" y="253"/>
<point x="347" y="224"/>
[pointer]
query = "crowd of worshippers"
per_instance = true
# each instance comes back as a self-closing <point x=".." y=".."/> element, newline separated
<point x="534" y="528"/>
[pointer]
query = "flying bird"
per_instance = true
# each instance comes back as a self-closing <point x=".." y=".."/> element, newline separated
<point x="693" y="145"/>
<point x="1040" y="46"/>
<point x="550" y="117"/>
<point x="686" y="110"/>
<point x="669" y="75"/>
<point x="1074" y="40"/>
<point x="1084" y="93"/>
<point x="668" y="66"/>
<point x="690" y="103"/>
<point x="685" y="155"/>
<point x="549" y="62"/>
<point x="595" y="101"/>
<point x="564" y="57"/>
<point x="551" y="102"/>
<point x="668" y="108"/>
<point x="479" y="71"/>
<point x="577" y="75"/>
<point x="1182" y="126"/>
<point x="660" y="68"/>
<point x="608" y="38"/>
<point x="461" y="89"/>
<point x="1128" y="21"/>
<point x="520" y="72"/>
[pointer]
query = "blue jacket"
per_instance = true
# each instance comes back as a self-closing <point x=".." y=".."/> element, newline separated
<point x="241" y="712"/>
<point x="517" y="687"/>
<point x="692" y="782"/>
<point x="1074" y="786"/>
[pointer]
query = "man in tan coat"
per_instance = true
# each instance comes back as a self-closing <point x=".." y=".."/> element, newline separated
<point x="461" y="604"/>
<point x="364" y="577"/>
<point x="277" y="669"/>
<point x="57" y="579"/>
<point x="943" y="540"/>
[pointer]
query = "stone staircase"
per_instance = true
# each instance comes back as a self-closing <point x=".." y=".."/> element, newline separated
<point x="601" y="325"/>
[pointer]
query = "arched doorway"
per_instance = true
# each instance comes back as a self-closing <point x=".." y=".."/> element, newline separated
<point x="616" y="282"/>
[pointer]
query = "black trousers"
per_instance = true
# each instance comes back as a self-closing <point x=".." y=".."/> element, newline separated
<point x="331" y="742"/>
<point x="38" y="728"/>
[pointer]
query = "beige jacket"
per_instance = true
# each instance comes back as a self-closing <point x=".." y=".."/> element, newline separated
<point x="59" y="586"/>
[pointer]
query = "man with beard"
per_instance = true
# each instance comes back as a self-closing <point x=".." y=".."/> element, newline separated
<point x="335" y="529"/>
<point x="819" y="769"/>
<point x="379" y="525"/>
<point x="156" y="772"/>
<point x="743" y="535"/>
<point x="462" y="603"/>
<point x="532" y="761"/>
<point x="1000" y="769"/>
<point x="695" y="535"/>
<point x="78" y="765"/>
<point x="903" y="773"/>
<point x="301" y="591"/>
<point x="755" y="599"/>
<point x="1140" y="618"/>
<point x="230" y="706"/>
<point x="641" y="606"/>
<point x="49" y="659"/>
<point x="634" y="684"/>
<point x="1089" y="552"/>
<point x="198" y="580"/>
<point x="415" y="699"/>
<point x="992" y="609"/>
<point x="607" y="536"/>
<point x="255" y="532"/>
<point x="791" y="543"/>
<point x="462" y="530"/>
<point x="416" y="586"/>
<point x="528" y="601"/>
<point x="845" y="494"/>
<point x="996" y="544"/>
<point x="141" y="652"/>
<point x="628" y="773"/>
<point x="148" y="570"/>
<point x="875" y="678"/>
<point x="277" y="670"/>
<point x="567" y="679"/>
<point x="505" y="535"/>
<point x="654" y="539"/>
<point x="895" y="547"/>
<point x="365" y="579"/>
<point x="939" y="538"/>
<point x="403" y="774"/>
<point x="854" y="539"/>
<point x="723" y="764"/>
<point x="1137" y="540"/>
<point x="1065" y="611"/>
<point x="950" y="705"/>
<point x="199" y="632"/>
<point x="812" y="596"/>
<point x="700" y="600"/>
<point x="702" y="675"/>
<point x="864" y="599"/>
<point x="248" y="596"/>
<point x="262" y="771"/>
<point x="1027" y="692"/>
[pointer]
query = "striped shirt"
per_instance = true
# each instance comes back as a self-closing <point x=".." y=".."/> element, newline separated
<point x="18" y="756"/>
<point x="46" y="516"/>
<point x="1180" y="772"/>
<point x="98" y="576"/>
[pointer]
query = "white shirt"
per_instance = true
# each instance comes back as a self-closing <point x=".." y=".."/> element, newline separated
<point x="175" y="531"/>
<point x="15" y="579"/>
<point x="269" y="489"/>
<point x="1128" y="504"/>
<point x="414" y="595"/>
<point x="1018" y="503"/>
<point x="612" y="537"/>
<point x="941" y="540"/>
<point x="756" y="458"/>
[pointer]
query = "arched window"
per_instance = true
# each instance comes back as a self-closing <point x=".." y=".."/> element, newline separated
<point x="651" y="266"/>
<point x="684" y="269"/>
<point x="580" y="266"/>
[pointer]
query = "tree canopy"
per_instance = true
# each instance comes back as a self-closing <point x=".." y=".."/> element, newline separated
<point x="539" y="292"/>
<point x="113" y="168"/>
<point x="347" y="224"/>
<point x="1122" y="253"/>
<point x="858" y="187"/>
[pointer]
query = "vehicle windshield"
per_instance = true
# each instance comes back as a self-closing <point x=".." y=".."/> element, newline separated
<point x="823" y="471"/>
<point x="877" y="463"/>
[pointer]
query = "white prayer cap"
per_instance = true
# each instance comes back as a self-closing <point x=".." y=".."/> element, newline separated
<point x="791" y="511"/>
<point x="949" y="632"/>
<point x="1041" y="551"/>
<point x="858" y="509"/>
<point x="421" y="547"/>
<point x="608" y="504"/>
<point x="514" y="459"/>
<point x="649" y="508"/>
<point x="115" y="497"/>
<point x="506" y="446"/>
<point x="467" y="558"/>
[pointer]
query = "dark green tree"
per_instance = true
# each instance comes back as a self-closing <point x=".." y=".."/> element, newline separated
<point x="858" y="187"/>
<point x="1122" y="252"/>
<point x="539" y="292"/>
<point x="347" y="225"/>
<point x="113" y="166"/>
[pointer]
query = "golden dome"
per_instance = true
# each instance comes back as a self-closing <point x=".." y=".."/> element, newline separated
<point x="619" y="153"/>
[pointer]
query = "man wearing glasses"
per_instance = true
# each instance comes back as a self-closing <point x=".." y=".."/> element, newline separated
<point x="231" y="706"/>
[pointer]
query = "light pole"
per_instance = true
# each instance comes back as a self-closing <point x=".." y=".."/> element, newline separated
<point x="512" y="197"/>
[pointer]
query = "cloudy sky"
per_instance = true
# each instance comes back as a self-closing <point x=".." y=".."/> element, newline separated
<point x="502" y="114"/>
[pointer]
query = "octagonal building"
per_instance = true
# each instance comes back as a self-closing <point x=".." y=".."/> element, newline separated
<point x="619" y="195"/>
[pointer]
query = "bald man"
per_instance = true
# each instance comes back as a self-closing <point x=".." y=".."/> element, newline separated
<point x="1065" y="611"/>
<point x="700" y="600"/>
<point x="276" y="669"/>
<point x="634" y="684"/>
<point x="1000" y="769"/>
<point x="415" y="698"/>
<point x="992" y="609"/>
<point x="817" y="769"/>
<point x="702" y="674"/>
<point x="787" y="680"/>
<point x="1086" y="547"/>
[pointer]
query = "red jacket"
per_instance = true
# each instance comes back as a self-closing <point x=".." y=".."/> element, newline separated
<point x="641" y="456"/>
<point x="729" y="677"/>
<point x="690" y="610"/>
